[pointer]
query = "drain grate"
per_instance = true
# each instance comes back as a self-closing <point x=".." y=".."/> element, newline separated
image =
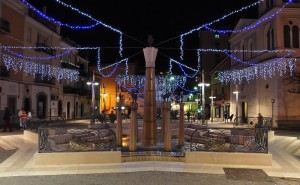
<point x="246" y="174"/>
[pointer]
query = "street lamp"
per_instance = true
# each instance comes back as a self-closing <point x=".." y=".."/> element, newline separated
<point x="212" y="109"/>
<point x="104" y="98"/>
<point x="272" y="101"/>
<point x="93" y="84"/>
<point x="236" y="104"/>
<point x="202" y="85"/>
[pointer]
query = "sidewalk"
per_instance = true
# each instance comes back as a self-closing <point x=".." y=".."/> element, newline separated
<point x="21" y="163"/>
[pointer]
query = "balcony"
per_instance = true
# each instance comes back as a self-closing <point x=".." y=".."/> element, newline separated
<point x="46" y="49"/>
<point x="75" y="90"/>
<point x="4" y="26"/>
<point x="44" y="22"/>
<point x="45" y="80"/>
<point x="4" y="73"/>
<point x="68" y="65"/>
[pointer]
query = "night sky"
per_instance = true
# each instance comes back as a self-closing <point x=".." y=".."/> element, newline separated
<point x="137" y="19"/>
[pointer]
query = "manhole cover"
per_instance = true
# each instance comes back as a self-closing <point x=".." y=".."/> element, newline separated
<point x="246" y="174"/>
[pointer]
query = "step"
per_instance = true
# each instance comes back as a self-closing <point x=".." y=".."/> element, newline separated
<point x="7" y="145"/>
<point x="293" y="147"/>
<point x="282" y="141"/>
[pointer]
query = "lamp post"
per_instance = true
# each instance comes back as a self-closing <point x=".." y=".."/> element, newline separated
<point x="212" y="109"/>
<point x="236" y="104"/>
<point x="202" y="85"/>
<point x="272" y="101"/>
<point x="93" y="84"/>
<point x="104" y="98"/>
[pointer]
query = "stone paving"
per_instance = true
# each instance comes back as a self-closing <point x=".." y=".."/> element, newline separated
<point x="138" y="178"/>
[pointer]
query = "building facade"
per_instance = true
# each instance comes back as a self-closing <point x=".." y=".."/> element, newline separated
<point x="30" y="54"/>
<point x="275" y="95"/>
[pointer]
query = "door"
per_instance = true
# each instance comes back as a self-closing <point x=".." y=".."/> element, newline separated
<point x="68" y="110"/>
<point x="244" y="111"/>
<point x="41" y="106"/>
<point x="82" y="110"/>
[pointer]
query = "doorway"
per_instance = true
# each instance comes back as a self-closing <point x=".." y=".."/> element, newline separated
<point x="244" y="111"/>
<point x="68" y="109"/>
<point x="41" y="105"/>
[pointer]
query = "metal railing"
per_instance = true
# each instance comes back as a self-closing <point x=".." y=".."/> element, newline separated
<point x="63" y="139"/>
<point x="245" y="140"/>
<point x="252" y="122"/>
<point x="33" y="124"/>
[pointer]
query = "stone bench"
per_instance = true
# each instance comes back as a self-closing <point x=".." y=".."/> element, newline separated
<point x="288" y="124"/>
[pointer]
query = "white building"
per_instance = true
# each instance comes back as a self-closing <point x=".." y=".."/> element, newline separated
<point x="277" y="96"/>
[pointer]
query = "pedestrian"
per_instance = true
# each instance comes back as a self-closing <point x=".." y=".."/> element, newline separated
<point x="260" y="120"/>
<point x="112" y="117"/>
<point x="103" y="117"/>
<point x="23" y="116"/>
<point x="29" y="114"/>
<point x="188" y="114"/>
<point x="226" y="117"/>
<point x="6" y="119"/>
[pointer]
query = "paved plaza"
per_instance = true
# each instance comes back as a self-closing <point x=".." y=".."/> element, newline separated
<point x="17" y="167"/>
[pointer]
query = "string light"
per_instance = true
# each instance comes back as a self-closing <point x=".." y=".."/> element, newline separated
<point x="115" y="64"/>
<point x="163" y="84"/>
<point x="36" y="58"/>
<point x="254" y="63"/>
<point x="246" y="28"/>
<point x="210" y="23"/>
<point x="97" y="22"/>
<point x="264" y="70"/>
<point x="31" y="68"/>
<point x="182" y="69"/>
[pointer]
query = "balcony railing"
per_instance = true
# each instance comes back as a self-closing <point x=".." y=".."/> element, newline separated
<point x="46" y="23"/>
<point x="45" y="48"/>
<point x="75" y="90"/>
<point x="44" y="80"/>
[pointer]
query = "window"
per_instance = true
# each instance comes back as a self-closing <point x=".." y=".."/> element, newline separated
<point x="29" y="33"/>
<point x="244" y="51"/>
<point x="251" y="48"/>
<point x="270" y="38"/>
<point x="217" y="36"/>
<point x="41" y="39"/>
<point x="295" y="36"/>
<point x="287" y="39"/>
<point x="291" y="35"/>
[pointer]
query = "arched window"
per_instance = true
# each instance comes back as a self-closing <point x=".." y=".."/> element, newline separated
<point x="251" y="48"/>
<point x="270" y="38"/>
<point x="291" y="35"/>
<point x="287" y="37"/>
<point x="295" y="36"/>
<point x="244" y="51"/>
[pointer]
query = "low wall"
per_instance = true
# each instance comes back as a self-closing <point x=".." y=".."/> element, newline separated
<point x="229" y="158"/>
<point x="64" y="158"/>
<point x="31" y="136"/>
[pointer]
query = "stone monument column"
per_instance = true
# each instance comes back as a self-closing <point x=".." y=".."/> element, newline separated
<point x="181" y="125"/>
<point x="119" y="122"/>
<point x="167" y="127"/>
<point x="133" y="127"/>
<point x="162" y="127"/>
<point x="149" y="124"/>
